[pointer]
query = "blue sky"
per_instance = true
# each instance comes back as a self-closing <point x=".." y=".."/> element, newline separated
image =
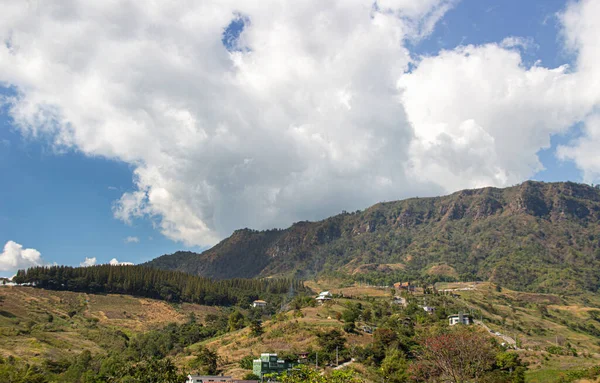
<point x="60" y="201"/>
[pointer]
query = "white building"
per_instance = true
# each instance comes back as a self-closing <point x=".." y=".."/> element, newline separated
<point x="259" y="303"/>
<point x="399" y="301"/>
<point x="429" y="310"/>
<point x="208" y="378"/>
<point x="460" y="319"/>
<point x="324" y="296"/>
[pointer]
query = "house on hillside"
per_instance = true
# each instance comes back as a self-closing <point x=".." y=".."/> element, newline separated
<point x="404" y="286"/>
<point x="324" y="296"/>
<point x="208" y="378"/>
<point x="269" y="364"/>
<point x="259" y="303"/>
<point x="465" y="319"/>
<point x="399" y="301"/>
<point x="429" y="310"/>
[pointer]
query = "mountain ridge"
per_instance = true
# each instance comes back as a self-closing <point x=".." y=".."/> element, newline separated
<point x="532" y="236"/>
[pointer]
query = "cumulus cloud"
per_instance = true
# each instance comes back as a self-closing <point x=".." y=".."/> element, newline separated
<point x="581" y="35"/>
<point x="132" y="240"/>
<point x="480" y="116"/>
<point x="312" y="109"/>
<point x="14" y="257"/>
<point x="88" y="262"/>
<point x="115" y="262"/>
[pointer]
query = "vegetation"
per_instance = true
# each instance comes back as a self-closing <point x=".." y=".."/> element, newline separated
<point x="541" y="237"/>
<point x="143" y="281"/>
<point x="99" y="342"/>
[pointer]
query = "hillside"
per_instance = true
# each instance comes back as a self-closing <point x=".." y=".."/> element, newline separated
<point x="38" y="324"/>
<point x="535" y="236"/>
<point x="53" y="330"/>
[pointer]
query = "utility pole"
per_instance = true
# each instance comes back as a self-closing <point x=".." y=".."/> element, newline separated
<point x="337" y="359"/>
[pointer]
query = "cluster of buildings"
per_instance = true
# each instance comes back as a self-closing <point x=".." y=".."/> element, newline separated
<point x="455" y="319"/>
<point x="269" y="363"/>
<point x="323" y="297"/>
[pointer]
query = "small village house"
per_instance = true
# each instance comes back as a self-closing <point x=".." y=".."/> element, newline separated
<point x="429" y="310"/>
<point x="324" y="296"/>
<point x="455" y="319"/>
<point x="259" y="303"/>
<point x="399" y="301"/>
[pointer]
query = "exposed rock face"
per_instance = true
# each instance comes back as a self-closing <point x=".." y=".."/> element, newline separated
<point x="509" y="235"/>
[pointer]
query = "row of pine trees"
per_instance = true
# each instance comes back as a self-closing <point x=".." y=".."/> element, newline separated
<point x="172" y="286"/>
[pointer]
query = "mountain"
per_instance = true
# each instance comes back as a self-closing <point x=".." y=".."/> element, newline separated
<point x="534" y="236"/>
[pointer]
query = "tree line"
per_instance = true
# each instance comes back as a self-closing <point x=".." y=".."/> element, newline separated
<point x="172" y="286"/>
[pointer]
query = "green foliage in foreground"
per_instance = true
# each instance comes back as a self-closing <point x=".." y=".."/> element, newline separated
<point x="143" y="359"/>
<point x="305" y="374"/>
<point x="148" y="282"/>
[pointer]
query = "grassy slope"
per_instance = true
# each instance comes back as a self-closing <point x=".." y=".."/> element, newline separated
<point x="132" y="315"/>
<point x="298" y="334"/>
<point x="27" y="333"/>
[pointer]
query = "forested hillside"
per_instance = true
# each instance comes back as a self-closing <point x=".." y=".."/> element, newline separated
<point x="534" y="236"/>
<point x="143" y="281"/>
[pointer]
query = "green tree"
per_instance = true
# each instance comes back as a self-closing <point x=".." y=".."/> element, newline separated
<point x="256" y="328"/>
<point x="349" y="327"/>
<point x="236" y="321"/>
<point x="206" y="361"/>
<point x="511" y="363"/>
<point x="149" y="371"/>
<point x="306" y="374"/>
<point x="394" y="367"/>
<point x="247" y="363"/>
<point x="331" y="340"/>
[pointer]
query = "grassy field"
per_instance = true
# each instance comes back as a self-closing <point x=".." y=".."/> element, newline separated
<point x="38" y="324"/>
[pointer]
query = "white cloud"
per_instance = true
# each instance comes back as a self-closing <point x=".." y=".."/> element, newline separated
<point x="318" y="113"/>
<point x="14" y="257"/>
<point x="585" y="149"/>
<point x="581" y="35"/>
<point x="480" y="116"/>
<point x="115" y="262"/>
<point x="525" y="43"/>
<point x="88" y="262"/>
<point x="132" y="240"/>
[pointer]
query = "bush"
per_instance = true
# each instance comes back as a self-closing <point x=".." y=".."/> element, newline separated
<point x="246" y="363"/>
